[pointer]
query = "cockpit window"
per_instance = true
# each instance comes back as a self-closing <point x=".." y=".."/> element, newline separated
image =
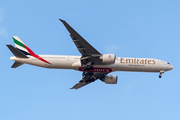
<point x="168" y="63"/>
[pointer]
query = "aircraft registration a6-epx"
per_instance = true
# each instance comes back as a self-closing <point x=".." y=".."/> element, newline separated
<point x="92" y="63"/>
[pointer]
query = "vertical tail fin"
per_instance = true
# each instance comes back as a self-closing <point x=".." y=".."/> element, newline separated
<point x="20" y="45"/>
<point x="22" y="50"/>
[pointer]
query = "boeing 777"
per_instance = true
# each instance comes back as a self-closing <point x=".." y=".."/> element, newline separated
<point x="92" y="63"/>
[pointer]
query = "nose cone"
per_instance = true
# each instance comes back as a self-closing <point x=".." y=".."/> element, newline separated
<point x="170" y="67"/>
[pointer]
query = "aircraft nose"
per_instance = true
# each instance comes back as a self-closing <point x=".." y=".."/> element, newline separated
<point x="171" y="67"/>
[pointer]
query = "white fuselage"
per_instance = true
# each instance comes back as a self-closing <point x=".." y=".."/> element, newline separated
<point x="121" y="64"/>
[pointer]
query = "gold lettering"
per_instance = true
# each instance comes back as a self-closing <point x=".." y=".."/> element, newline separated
<point x="138" y="61"/>
<point x="130" y="61"/>
<point x="153" y="62"/>
<point x="142" y="62"/>
<point x="126" y="60"/>
<point x="145" y="61"/>
<point x="122" y="60"/>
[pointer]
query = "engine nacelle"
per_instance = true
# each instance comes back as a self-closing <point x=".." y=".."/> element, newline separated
<point x="108" y="58"/>
<point x="110" y="79"/>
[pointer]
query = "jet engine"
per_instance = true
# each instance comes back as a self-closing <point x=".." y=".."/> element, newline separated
<point x="110" y="79"/>
<point x="108" y="58"/>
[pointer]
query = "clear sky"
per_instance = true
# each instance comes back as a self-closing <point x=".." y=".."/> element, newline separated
<point x="127" y="28"/>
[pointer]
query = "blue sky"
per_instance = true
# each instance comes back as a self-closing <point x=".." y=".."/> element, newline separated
<point x="127" y="28"/>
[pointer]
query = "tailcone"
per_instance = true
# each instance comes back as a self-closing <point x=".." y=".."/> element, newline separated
<point x="13" y="58"/>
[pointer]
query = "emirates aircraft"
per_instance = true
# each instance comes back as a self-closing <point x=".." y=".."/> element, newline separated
<point x="91" y="63"/>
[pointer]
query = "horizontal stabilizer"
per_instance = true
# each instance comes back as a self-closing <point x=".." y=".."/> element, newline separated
<point x="16" y="64"/>
<point x="16" y="52"/>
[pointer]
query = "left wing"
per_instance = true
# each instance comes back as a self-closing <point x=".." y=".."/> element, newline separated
<point x="88" y="78"/>
<point x="79" y="85"/>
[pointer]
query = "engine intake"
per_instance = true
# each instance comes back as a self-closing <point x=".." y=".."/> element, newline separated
<point x="108" y="58"/>
<point x="110" y="79"/>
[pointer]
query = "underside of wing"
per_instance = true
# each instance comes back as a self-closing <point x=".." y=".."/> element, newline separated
<point x="79" y="85"/>
<point x="88" y="78"/>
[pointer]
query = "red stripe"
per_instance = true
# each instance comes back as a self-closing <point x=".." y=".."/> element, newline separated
<point x="34" y="55"/>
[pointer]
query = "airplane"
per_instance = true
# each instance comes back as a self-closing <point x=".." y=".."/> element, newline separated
<point x="91" y="63"/>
